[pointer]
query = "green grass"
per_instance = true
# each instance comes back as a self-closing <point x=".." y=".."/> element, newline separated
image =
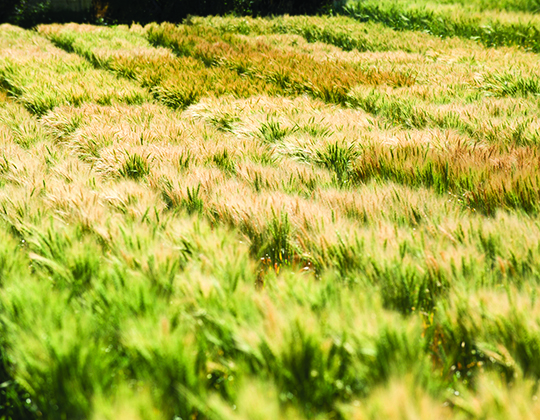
<point x="489" y="29"/>
<point x="281" y="218"/>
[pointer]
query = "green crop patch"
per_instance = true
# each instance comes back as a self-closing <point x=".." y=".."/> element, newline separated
<point x="448" y="20"/>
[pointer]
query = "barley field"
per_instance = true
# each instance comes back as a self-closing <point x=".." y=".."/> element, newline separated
<point x="325" y="217"/>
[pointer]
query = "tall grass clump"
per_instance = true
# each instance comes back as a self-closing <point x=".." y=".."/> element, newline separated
<point x="338" y="159"/>
<point x="405" y="290"/>
<point x="511" y="85"/>
<point x="272" y="131"/>
<point x="135" y="167"/>
<point x="313" y="376"/>
<point x="224" y="161"/>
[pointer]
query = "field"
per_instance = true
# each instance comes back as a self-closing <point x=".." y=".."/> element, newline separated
<point x="326" y="217"/>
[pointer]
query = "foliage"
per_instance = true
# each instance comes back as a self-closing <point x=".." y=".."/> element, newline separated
<point x="289" y="218"/>
<point x="145" y="11"/>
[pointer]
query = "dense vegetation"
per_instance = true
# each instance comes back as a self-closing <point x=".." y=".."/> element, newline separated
<point x="28" y="13"/>
<point x="289" y="217"/>
<point x="475" y="20"/>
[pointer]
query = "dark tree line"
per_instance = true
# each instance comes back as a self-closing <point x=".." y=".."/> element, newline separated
<point x="177" y="10"/>
<point x="30" y="12"/>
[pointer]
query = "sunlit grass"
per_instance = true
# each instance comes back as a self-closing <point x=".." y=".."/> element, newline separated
<point x="286" y="218"/>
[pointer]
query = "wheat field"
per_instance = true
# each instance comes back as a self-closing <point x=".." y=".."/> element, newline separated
<point x="325" y="217"/>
